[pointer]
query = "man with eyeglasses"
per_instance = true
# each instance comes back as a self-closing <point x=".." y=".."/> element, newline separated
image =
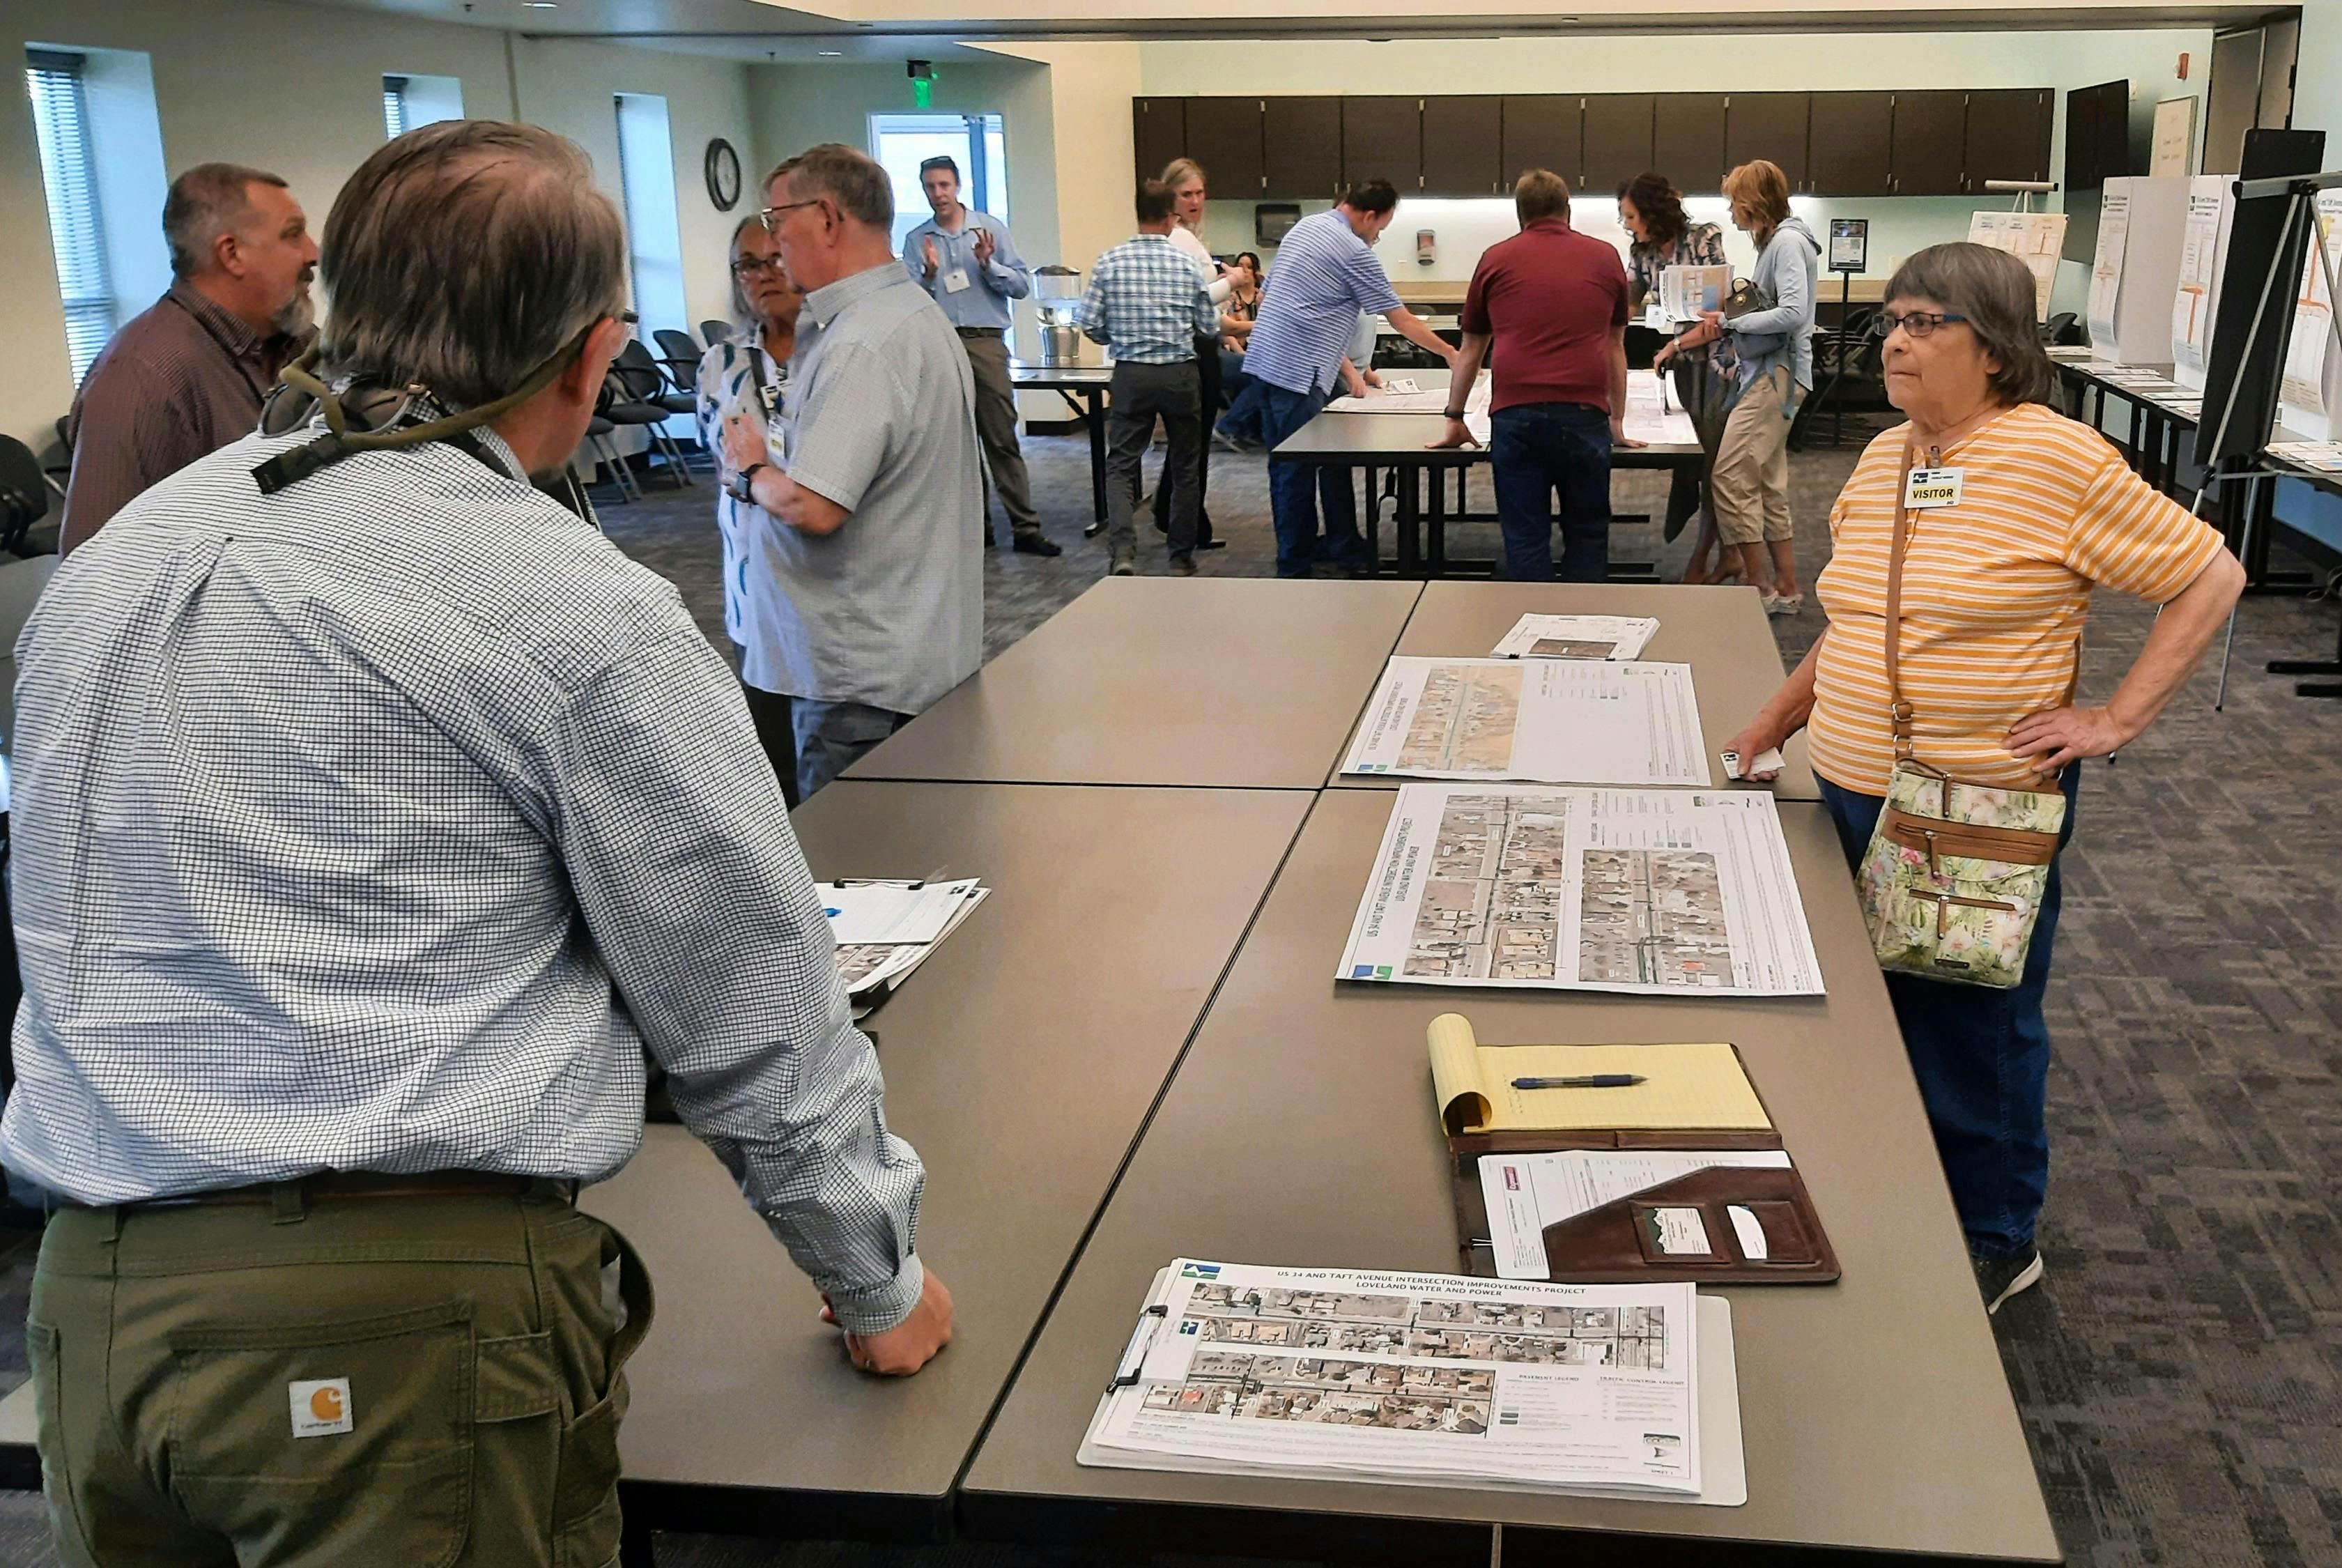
<point x="968" y="264"/>
<point x="880" y="491"/>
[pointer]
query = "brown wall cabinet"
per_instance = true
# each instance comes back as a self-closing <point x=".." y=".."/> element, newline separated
<point x="1382" y="138"/>
<point x="1301" y="148"/>
<point x="1687" y="141"/>
<point x="1463" y="146"/>
<point x="1943" y="142"/>
<point x="1772" y="126"/>
<point x="1543" y="133"/>
<point x="1617" y="140"/>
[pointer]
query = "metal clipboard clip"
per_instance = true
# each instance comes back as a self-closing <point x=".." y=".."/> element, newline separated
<point x="1151" y="1322"/>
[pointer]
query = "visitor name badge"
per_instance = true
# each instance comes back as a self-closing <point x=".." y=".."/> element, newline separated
<point x="1924" y="488"/>
<point x="955" y="280"/>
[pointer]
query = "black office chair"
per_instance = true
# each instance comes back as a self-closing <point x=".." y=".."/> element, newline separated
<point x="59" y="473"/>
<point x="24" y="495"/>
<point x="638" y="387"/>
<point x="2060" y="328"/>
<point x="715" y="332"/>
<point x="598" y="433"/>
<point x="680" y="353"/>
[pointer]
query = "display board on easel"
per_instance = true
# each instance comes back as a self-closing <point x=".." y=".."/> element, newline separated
<point x="2135" y="273"/>
<point x="2035" y="238"/>
<point x="2267" y="248"/>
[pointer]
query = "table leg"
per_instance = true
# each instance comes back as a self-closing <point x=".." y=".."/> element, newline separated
<point x="1374" y="505"/>
<point x="1095" y="418"/>
<point x="1409" y="518"/>
<point x="1435" y="546"/>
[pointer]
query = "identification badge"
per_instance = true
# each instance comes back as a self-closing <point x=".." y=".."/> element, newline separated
<point x="1928" y="488"/>
<point x="955" y="280"/>
<point x="321" y="1408"/>
<point x="769" y="395"/>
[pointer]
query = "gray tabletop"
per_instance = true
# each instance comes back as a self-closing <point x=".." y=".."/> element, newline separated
<point x="1020" y="1060"/>
<point x="1060" y="377"/>
<point x="1300" y="1132"/>
<point x="1227" y="682"/>
<point x="1389" y="439"/>
<point x="1720" y="632"/>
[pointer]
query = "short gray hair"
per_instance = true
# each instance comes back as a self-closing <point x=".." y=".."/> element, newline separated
<point x="855" y="181"/>
<point x="207" y="202"/>
<point x="464" y="255"/>
<point x="1995" y="292"/>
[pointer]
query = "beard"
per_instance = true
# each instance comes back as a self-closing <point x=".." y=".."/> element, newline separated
<point x="297" y="315"/>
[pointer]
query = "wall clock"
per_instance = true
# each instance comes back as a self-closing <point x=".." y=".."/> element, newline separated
<point x="722" y="168"/>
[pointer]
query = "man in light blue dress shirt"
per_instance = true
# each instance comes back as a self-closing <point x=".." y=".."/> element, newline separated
<point x="967" y="262"/>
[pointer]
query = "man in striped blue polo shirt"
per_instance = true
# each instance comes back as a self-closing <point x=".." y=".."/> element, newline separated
<point x="1324" y="274"/>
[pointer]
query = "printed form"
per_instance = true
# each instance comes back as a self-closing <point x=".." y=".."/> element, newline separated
<point x="1665" y="893"/>
<point x="1424" y="1378"/>
<point x="1558" y="721"/>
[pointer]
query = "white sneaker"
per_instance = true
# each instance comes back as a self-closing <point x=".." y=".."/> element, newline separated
<point x="1783" y="603"/>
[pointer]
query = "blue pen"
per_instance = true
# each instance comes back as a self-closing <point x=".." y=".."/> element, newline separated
<point x="1594" y="1080"/>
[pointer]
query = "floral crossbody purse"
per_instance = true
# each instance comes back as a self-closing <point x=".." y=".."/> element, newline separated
<point x="1953" y="879"/>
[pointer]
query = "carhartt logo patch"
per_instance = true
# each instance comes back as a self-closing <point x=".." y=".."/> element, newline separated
<point x="321" y="1408"/>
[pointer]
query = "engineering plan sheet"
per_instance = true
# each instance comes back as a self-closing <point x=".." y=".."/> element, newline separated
<point x="1559" y="721"/>
<point x="1409" y="1377"/>
<point x="1659" y="892"/>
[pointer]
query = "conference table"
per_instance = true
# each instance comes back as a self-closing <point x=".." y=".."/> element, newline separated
<point x="1401" y="444"/>
<point x="1020" y="1060"/>
<point x="1721" y="632"/>
<point x="1300" y="1131"/>
<point x="1226" y="682"/>
<point x="1083" y="387"/>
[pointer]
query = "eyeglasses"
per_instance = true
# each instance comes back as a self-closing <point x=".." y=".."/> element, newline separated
<point x="750" y="265"/>
<point x="771" y="216"/>
<point x="1918" y="323"/>
<point x="628" y="321"/>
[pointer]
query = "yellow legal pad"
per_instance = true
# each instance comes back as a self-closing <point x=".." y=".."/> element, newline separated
<point x="1688" y="1086"/>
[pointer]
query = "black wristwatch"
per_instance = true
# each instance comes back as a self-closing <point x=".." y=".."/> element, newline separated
<point x="743" y="484"/>
<point x="1455" y="412"/>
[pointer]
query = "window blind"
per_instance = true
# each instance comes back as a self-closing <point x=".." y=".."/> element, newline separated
<point x="394" y="106"/>
<point x="68" y="170"/>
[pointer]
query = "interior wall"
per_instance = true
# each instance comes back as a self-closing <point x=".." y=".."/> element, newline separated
<point x="297" y="89"/>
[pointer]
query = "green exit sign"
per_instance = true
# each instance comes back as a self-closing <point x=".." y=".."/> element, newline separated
<point x="923" y="92"/>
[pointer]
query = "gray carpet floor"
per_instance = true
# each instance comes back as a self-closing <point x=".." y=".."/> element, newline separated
<point x="2179" y="1373"/>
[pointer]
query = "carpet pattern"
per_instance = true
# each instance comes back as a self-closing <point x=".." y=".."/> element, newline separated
<point x="2179" y="1371"/>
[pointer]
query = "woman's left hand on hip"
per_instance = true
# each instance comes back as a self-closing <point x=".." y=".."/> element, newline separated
<point x="2057" y="736"/>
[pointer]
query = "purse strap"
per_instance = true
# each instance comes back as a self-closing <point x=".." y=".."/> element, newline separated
<point x="1898" y="711"/>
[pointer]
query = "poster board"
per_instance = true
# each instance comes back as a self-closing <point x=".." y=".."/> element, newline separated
<point x="2135" y="276"/>
<point x="2035" y="238"/>
<point x="2175" y="137"/>
<point x="2211" y="205"/>
<point x="2305" y="389"/>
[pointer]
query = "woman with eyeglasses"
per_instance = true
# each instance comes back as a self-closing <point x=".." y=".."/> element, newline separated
<point x="1773" y="343"/>
<point x="746" y="376"/>
<point x="2024" y="513"/>
<point x="1650" y="209"/>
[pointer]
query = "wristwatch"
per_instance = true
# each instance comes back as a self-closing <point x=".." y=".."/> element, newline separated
<point x="743" y="484"/>
<point x="1455" y="412"/>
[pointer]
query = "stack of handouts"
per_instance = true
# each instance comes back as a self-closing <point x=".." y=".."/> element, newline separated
<point x="884" y="929"/>
<point x="1428" y="1380"/>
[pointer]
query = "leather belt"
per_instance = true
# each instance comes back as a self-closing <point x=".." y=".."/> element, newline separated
<point x="992" y="332"/>
<point x="331" y="1185"/>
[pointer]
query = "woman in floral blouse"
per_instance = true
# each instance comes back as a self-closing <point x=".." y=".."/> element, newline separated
<point x="1651" y="210"/>
<point x="745" y="375"/>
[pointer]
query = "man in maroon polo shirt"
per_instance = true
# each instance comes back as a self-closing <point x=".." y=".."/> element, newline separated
<point x="186" y="376"/>
<point x="1554" y="302"/>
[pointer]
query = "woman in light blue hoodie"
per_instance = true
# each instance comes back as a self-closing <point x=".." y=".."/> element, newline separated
<point x="1775" y="347"/>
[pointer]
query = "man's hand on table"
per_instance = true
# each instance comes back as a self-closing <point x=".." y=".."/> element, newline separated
<point x="1457" y="434"/>
<point x="911" y="1344"/>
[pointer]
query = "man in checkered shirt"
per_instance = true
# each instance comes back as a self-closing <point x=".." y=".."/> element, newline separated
<point x="1150" y="304"/>
<point x="366" y="832"/>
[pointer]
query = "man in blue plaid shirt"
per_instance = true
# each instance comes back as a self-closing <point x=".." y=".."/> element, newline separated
<point x="1148" y="304"/>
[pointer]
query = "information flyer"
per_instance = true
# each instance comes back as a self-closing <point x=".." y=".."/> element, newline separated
<point x="2202" y="251"/>
<point x="1410" y="1377"/>
<point x="2105" y="270"/>
<point x="1666" y="892"/>
<point x="1556" y="720"/>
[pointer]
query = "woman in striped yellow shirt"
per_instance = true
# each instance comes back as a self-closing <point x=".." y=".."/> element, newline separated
<point x="1995" y="587"/>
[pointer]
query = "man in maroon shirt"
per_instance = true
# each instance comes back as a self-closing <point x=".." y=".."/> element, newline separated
<point x="186" y="376"/>
<point x="1554" y="302"/>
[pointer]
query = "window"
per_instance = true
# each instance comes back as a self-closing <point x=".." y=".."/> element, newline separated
<point x="409" y="100"/>
<point x="76" y="228"/>
<point x="976" y="142"/>
<point x="653" y="235"/>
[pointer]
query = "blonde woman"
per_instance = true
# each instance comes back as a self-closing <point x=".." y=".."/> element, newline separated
<point x="1186" y="178"/>
<point x="1775" y="348"/>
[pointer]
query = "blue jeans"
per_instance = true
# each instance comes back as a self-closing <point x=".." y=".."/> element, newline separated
<point x="1298" y="490"/>
<point x="1982" y="1059"/>
<point x="1538" y="449"/>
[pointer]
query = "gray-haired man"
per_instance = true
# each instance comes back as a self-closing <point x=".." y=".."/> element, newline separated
<point x="881" y="491"/>
<point x="186" y="376"/>
<point x="372" y="814"/>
